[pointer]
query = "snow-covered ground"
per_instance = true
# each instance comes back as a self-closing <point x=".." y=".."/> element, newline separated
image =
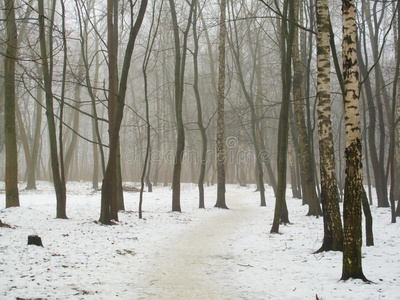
<point x="196" y="254"/>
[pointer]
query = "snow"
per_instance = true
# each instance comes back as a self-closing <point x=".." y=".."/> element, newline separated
<point x="197" y="254"/>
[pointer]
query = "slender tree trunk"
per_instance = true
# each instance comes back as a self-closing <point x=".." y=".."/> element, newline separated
<point x="108" y="209"/>
<point x="148" y="136"/>
<point x="352" y="264"/>
<point x="304" y="139"/>
<point x="95" y="125"/>
<point x="221" y="155"/>
<point x="333" y="230"/>
<point x="31" y="158"/>
<point x="12" y="196"/>
<point x="287" y="35"/>
<point x="147" y="162"/>
<point x="364" y="136"/>
<point x="47" y="76"/>
<point x="396" y="186"/>
<point x="180" y="140"/>
<point x="62" y="100"/>
<point x="180" y="61"/>
<point x="199" y="112"/>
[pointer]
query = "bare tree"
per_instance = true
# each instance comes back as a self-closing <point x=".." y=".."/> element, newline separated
<point x="233" y="40"/>
<point x="108" y="190"/>
<point x="180" y="64"/>
<point x="200" y="123"/>
<point x="83" y="16"/>
<point x="147" y="55"/>
<point x="12" y="196"/>
<point x="47" y="67"/>
<point x="286" y="43"/>
<point x="221" y="155"/>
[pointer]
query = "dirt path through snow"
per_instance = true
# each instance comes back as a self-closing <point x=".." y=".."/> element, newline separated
<point x="197" y="264"/>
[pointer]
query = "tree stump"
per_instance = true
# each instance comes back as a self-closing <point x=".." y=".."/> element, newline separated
<point x="4" y="225"/>
<point x="35" y="240"/>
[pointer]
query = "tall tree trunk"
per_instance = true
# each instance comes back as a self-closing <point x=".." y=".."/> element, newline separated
<point x="352" y="264"/>
<point x="333" y="231"/>
<point x="180" y="140"/>
<point x="62" y="98"/>
<point x="30" y="156"/>
<point x="396" y="191"/>
<point x="110" y="178"/>
<point x="59" y="186"/>
<point x="148" y="136"/>
<point x="221" y="155"/>
<point x="307" y="58"/>
<point x="180" y="61"/>
<point x="286" y="42"/>
<point x="108" y="190"/>
<point x="304" y="139"/>
<point x="95" y="125"/>
<point x="199" y="112"/>
<point x="364" y="137"/>
<point x="149" y="47"/>
<point x="12" y="196"/>
<point x="394" y="182"/>
<point x="117" y="203"/>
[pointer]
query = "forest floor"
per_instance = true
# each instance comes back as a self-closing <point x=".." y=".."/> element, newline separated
<point x="197" y="254"/>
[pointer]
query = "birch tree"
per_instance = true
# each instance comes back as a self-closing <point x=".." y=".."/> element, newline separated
<point x="333" y="231"/>
<point x="353" y="191"/>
